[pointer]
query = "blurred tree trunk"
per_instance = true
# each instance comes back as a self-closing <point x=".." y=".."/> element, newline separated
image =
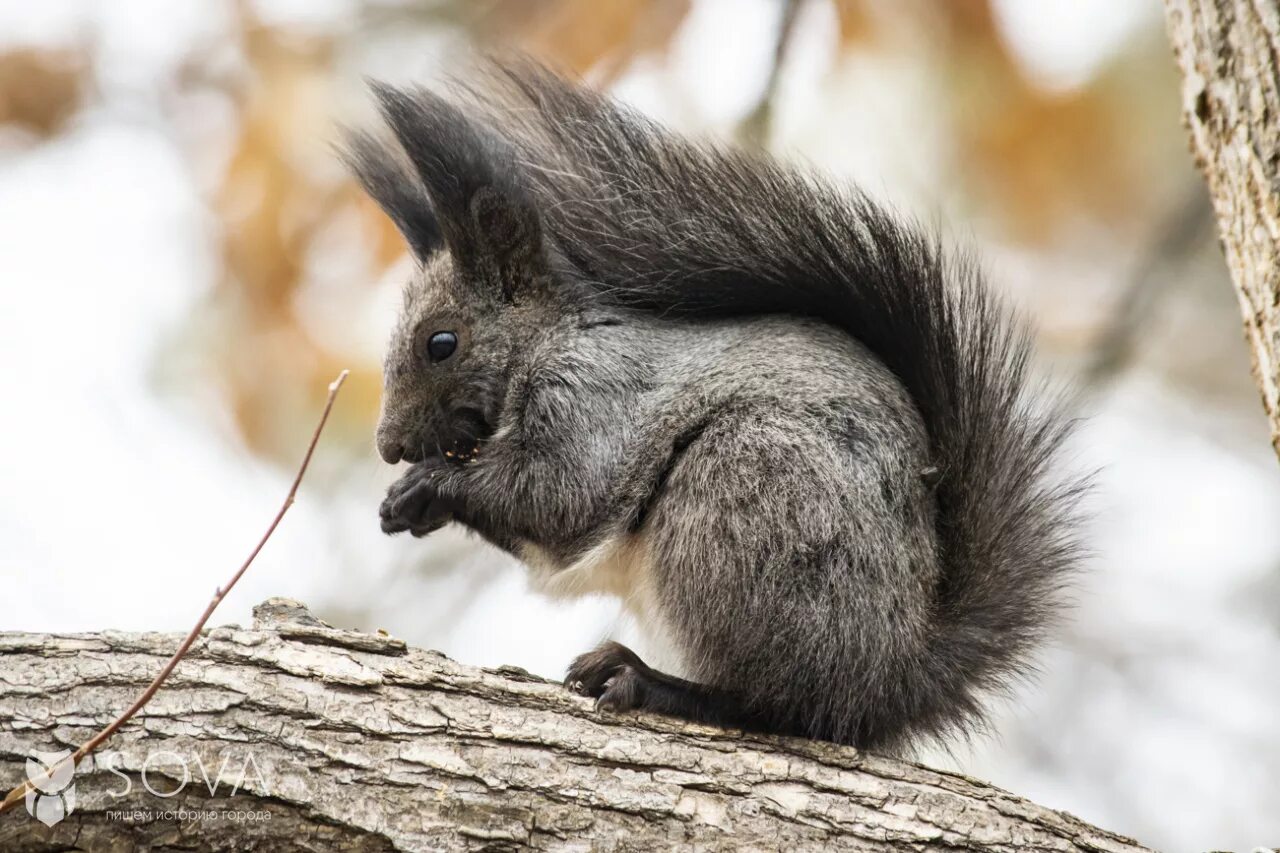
<point x="1229" y="53"/>
<point x="298" y="736"/>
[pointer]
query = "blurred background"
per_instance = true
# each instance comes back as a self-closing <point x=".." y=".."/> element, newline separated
<point x="184" y="266"/>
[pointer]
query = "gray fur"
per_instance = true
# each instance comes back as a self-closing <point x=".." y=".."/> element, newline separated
<point x="813" y="427"/>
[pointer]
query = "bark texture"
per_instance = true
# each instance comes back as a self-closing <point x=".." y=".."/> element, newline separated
<point x="352" y="741"/>
<point x="1229" y="53"/>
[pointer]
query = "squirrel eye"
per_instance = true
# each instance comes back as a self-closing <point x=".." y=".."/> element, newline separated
<point x="441" y="345"/>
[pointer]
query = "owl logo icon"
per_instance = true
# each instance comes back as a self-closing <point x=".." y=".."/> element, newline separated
<point x="52" y="796"/>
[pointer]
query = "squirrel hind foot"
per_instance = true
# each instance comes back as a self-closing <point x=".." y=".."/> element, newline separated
<point x="620" y="681"/>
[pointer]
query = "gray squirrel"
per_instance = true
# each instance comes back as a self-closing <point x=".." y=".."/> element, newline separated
<point x="791" y="433"/>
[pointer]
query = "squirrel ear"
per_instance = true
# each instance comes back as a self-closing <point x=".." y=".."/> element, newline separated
<point x="486" y="217"/>
<point x="511" y="238"/>
<point x="389" y="181"/>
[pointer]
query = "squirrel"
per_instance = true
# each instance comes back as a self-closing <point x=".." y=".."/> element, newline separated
<point x="794" y="435"/>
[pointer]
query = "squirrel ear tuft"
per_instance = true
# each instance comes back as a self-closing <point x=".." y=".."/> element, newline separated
<point x="389" y="180"/>
<point x="486" y="216"/>
<point x="511" y="237"/>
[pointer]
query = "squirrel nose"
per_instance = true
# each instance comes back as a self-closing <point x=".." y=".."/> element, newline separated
<point x="392" y="450"/>
<point x="389" y="447"/>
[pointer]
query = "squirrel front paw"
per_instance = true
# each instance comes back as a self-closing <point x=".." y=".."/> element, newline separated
<point x="414" y="502"/>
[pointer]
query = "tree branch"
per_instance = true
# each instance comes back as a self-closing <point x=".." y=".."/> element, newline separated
<point x="1227" y="50"/>
<point x="298" y="736"/>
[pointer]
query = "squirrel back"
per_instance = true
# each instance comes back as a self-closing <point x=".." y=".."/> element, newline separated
<point x="658" y="224"/>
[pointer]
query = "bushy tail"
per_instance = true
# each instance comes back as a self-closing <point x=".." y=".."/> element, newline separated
<point x="658" y="222"/>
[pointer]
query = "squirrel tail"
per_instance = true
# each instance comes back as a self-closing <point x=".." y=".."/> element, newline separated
<point x="662" y="223"/>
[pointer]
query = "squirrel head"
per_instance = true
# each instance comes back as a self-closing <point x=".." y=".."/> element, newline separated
<point x="482" y="286"/>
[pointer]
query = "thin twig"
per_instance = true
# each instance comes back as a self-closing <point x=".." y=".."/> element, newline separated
<point x="19" y="793"/>
<point x="1181" y="234"/>
<point x="755" y="128"/>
